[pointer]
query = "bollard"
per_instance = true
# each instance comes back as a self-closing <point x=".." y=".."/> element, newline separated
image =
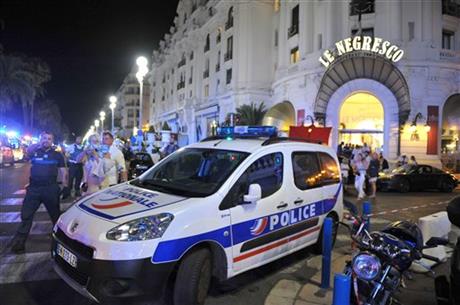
<point x="367" y="210"/>
<point x="327" y="253"/>
<point x="342" y="286"/>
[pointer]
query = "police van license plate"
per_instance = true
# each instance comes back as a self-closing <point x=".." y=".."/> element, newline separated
<point x="66" y="255"/>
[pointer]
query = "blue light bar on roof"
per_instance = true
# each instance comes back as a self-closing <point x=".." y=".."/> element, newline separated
<point x="247" y="131"/>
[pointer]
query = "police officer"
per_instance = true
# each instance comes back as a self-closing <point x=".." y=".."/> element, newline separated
<point x="75" y="168"/>
<point x="47" y="163"/>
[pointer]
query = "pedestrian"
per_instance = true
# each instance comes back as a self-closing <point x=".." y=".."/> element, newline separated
<point x="412" y="161"/>
<point x="47" y="163"/>
<point x="402" y="160"/>
<point x="360" y="168"/>
<point x="384" y="166"/>
<point x="373" y="172"/>
<point x="75" y="168"/>
<point x="117" y="173"/>
<point x="93" y="170"/>
<point x="170" y="148"/>
<point x="344" y="167"/>
<point x="340" y="149"/>
<point x="155" y="155"/>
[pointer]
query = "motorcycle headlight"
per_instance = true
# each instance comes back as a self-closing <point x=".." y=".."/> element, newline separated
<point x="144" y="228"/>
<point x="366" y="266"/>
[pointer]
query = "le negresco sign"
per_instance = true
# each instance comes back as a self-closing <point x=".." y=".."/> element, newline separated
<point x="362" y="43"/>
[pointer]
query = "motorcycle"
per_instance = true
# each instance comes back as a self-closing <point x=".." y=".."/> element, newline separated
<point x="381" y="259"/>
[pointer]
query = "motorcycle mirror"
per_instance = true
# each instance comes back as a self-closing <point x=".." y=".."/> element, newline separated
<point x="436" y="241"/>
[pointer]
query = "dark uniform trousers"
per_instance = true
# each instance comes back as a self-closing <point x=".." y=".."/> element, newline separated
<point x="75" y="176"/>
<point x="48" y="194"/>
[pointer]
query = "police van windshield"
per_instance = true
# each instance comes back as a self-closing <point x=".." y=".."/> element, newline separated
<point x="192" y="172"/>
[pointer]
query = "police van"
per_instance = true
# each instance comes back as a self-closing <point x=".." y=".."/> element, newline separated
<point x="209" y="211"/>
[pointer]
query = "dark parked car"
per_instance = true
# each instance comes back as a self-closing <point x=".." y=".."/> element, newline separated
<point x="140" y="163"/>
<point x="417" y="177"/>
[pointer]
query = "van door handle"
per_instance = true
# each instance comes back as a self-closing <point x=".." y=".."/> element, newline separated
<point x="282" y="205"/>
<point x="298" y="201"/>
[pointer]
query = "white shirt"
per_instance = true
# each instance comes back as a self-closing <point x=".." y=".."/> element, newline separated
<point x="111" y="175"/>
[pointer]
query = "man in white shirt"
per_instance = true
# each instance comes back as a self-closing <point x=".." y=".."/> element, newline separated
<point x="118" y="167"/>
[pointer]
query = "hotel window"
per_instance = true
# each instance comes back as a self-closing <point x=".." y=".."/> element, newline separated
<point x="218" y="62"/>
<point x="229" y="54"/>
<point x="219" y="35"/>
<point x="206" y="68"/>
<point x="364" y="32"/>
<point x="229" y="76"/>
<point x="229" y="22"/>
<point x="411" y="30"/>
<point x="190" y="79"/>
<point x="363" y="7"/>
<point x="276" y="5"/>
<point x="295" y="55"/>
<point x="191" y="55"/>
<point x="206" y="90"/>
<point x="276" y="38"/>
<point x="207" y="45"/>
<point x="294" y="29"/>
<point x="320" y="41"/>
<point x="447" y="40"/>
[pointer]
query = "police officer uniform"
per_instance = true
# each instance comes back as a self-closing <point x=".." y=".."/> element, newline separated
<point x="75" y="169"/>
<point x="43" y="188"/>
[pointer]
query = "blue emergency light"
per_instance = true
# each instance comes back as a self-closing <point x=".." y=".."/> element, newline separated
<point x="230" y="132"/>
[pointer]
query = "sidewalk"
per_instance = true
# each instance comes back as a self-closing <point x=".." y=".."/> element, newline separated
<point x="419" y="291"/>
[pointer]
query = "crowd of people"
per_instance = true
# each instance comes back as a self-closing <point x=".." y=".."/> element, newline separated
<point x="361" y="163"/>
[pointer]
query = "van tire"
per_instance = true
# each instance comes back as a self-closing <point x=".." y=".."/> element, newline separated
<point x="318" y="246"/>
<point x="193" y="278"/>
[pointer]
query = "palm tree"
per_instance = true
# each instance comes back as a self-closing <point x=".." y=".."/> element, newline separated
<point x="21" y="81"/>
<point x="251" y="114"/>
<point x="15" y="84"/>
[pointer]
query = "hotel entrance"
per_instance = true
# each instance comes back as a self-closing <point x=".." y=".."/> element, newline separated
<point x="362" y="121"/>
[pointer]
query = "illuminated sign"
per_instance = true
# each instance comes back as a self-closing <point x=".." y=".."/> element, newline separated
<point x="362" y="43"/>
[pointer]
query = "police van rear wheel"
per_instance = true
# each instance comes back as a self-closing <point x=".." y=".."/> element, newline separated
<point x="318" y="247"/>
<point x="193" y="278"/>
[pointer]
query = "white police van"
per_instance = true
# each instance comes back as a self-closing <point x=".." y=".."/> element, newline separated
<point x="211" y="210"/>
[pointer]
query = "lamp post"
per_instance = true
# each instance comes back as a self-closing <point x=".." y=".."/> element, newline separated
<point x="143" y="70"/>
<point x="96" y="124"/>
<point x="102" y="118"/>
<point x="113" y="104"/>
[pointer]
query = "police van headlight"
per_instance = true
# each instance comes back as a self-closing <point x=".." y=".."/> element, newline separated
<point x="144" y="228"/>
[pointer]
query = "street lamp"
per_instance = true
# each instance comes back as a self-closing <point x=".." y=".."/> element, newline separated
<point x="113" y="104"/>
<point x="96" y="124"/>
<point x="143" y="70"/>
<point x="102" y="118"/>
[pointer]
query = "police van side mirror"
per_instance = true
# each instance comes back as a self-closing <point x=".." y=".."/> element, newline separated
<point x="254" y="194"/>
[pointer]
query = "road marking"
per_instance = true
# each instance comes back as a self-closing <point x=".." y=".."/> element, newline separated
<point x="20" y="192"/>
<point x="11" y="201"/>
<point x="408" y="208"/>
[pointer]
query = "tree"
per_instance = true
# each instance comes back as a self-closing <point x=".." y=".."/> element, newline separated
<point x="48" y="117"/>
<point x="15" y="82"/>
<point x="21" y="81"/>
<point x="251" y="114"/>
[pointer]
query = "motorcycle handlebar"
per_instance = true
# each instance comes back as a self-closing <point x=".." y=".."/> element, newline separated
<point x="431" y="258"/>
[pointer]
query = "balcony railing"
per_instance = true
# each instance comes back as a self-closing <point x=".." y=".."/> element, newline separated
<point x="228" y="56"/>
<point x="450" y="8"/>
<point x="206" y="74"/>
<point x="181" y="63"/>
<point x="294" y="29"/>
<point x="229" y="24"/>
<point x="362" y="6"/>
<point x="181" y="85"/>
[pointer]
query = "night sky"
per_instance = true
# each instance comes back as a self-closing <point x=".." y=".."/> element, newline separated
<point x="90" y="46"/>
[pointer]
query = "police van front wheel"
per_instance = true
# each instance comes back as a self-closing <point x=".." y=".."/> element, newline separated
<point x="193" y="278"/>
